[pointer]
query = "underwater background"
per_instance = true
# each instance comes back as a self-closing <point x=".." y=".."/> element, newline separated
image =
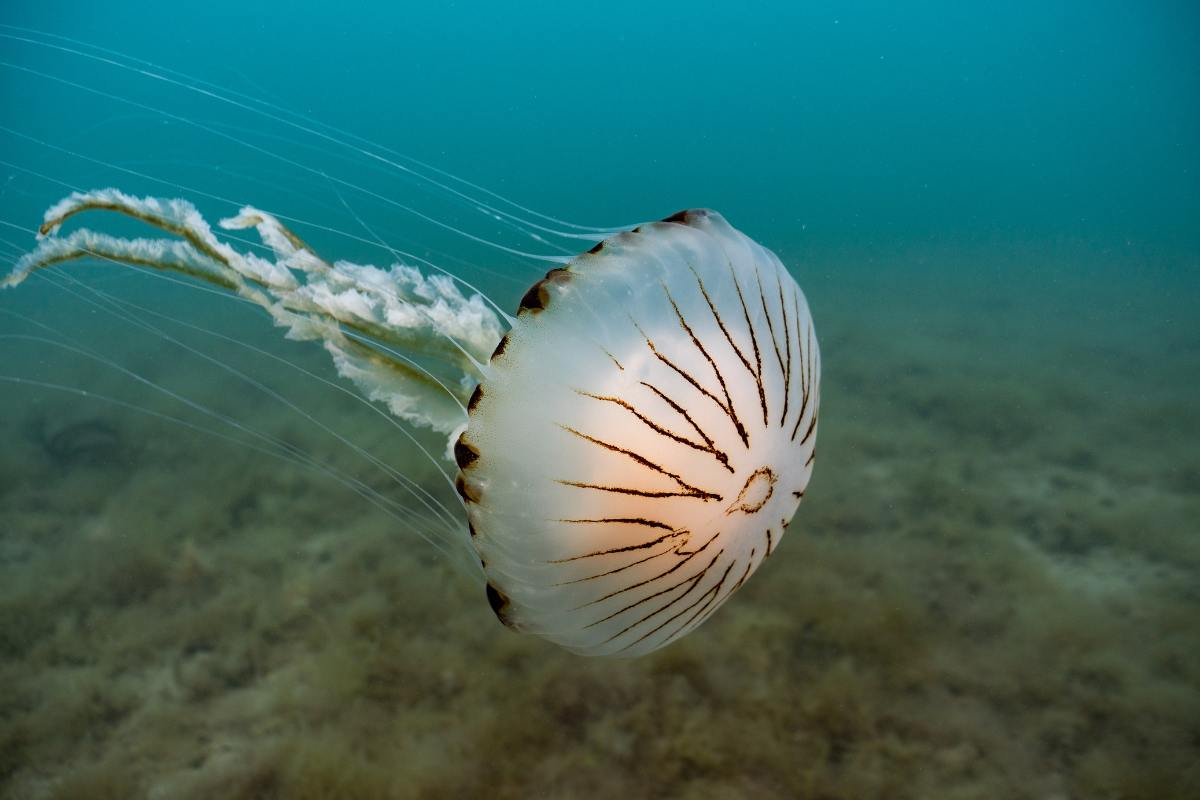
<point x="992" y="588"/>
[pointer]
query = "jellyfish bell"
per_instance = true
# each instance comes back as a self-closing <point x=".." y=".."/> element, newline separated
<point x="642" y="436"/>
<point x="629" y="451"/>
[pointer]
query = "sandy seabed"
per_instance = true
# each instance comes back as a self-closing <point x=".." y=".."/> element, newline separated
<point x="991" y="590"/>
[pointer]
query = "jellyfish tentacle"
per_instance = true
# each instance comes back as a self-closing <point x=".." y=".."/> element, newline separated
<point x="447" y="519"/>
<point x="369" y="319"/>
<point x="298" y="165"/>
<point x="160" y="254"/>
<point x="170" y="216"/>
<point x="282" y="240"/>
<point x="193" y="191"/>
<point x="270" y="445"/>
<point x="183" y="258"/>
<point x="473" y="359"/>
<point x="394" y="473"/>
<point x="313" y="128"/>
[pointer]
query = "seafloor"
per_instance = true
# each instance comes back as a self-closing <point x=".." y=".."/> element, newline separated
<point x="991" y="591"/>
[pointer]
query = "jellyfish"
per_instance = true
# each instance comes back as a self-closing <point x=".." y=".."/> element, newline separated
<point x="629" y="447"/>
<point x="626" y="447"/>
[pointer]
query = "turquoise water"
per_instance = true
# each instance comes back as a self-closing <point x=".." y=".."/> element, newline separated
<point x="989" y="590"/>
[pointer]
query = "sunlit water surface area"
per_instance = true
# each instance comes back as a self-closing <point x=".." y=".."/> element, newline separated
<point x="990" y="590"/>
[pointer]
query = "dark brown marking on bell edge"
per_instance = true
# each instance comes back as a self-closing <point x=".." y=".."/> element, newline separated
<point x="538" y="296"/>
<point x="464" y="490"/>
<point x="499" y="603"/>
<point x="471" y="528"/>
<point x="770" y="543"/>
<point x="464" y="454"/>
<point x="500" y="347"/>
<point x="476" y="396"/>
<point x="597" y="247"/>
<point x="535" y="299"/>
<point x="680" y="217"/>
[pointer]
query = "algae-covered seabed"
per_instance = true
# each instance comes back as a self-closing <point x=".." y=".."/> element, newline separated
<point x="991" y="590"/>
